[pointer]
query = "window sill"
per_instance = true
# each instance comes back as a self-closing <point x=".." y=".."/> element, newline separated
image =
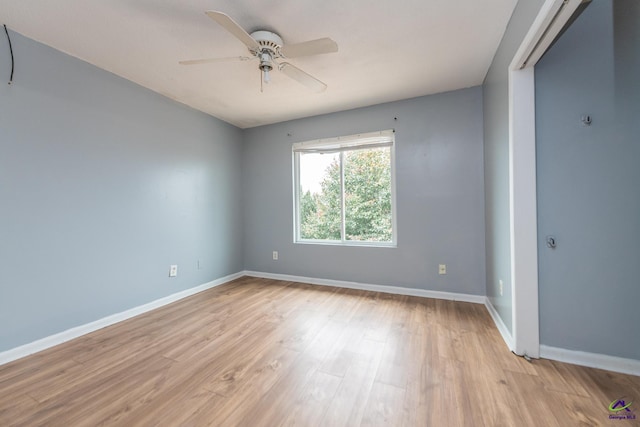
<point x="391" y="245"/>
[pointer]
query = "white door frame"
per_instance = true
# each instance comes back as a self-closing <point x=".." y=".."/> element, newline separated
<point x="523" y="212"/>
<point x="552" y="17"/>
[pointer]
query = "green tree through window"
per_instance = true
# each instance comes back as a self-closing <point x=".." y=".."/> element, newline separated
<point x="348" y="197"/>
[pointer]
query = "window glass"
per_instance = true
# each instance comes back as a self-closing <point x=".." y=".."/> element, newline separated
<point x="344" y="190"/>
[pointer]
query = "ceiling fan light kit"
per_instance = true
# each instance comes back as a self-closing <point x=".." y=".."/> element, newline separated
<point x="270" y="44"/>
<point x="268" y="47"/>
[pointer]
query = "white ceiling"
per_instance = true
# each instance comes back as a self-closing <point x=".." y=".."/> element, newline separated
<point x="388" y="49"/>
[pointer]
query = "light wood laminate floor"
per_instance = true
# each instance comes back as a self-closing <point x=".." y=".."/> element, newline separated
<point x="258" y="352"/>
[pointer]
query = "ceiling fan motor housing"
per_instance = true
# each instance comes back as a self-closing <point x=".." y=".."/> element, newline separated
<point x="268" y="41"/>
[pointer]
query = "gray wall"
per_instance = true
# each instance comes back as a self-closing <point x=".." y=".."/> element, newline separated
<point x="588" y="183"/>
<point x="103" y="185"/>
<point x="440" y="205"/>
<point x="496" y="159"/>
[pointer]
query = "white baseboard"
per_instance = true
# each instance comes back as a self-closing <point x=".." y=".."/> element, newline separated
<point x="502" y="328"/>
<point x="591" y="360"/>
<point x="69" y="334"/>
<point x="477" y="299"/>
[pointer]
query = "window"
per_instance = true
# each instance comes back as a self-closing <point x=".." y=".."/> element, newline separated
<point x="344" y="190"/>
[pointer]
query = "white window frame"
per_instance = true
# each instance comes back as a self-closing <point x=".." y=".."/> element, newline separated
<point x="342" y="144"/>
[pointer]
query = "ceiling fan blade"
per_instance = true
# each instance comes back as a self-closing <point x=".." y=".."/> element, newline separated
<point x="312" y="47"/>
<point x="301" y="77"/>
<point x="208" y="60"/>
<point x="235" y="29"/>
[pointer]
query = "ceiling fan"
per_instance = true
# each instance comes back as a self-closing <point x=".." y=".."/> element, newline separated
<point x="268" y="48"/>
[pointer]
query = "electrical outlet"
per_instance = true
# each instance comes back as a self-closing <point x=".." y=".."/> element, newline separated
<point x="501" y="287"/>
<point x="442" y="269"/>
<point x="173" y="271"/>
<point x="199" y="265"/>
<point x="275" y="255"/>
